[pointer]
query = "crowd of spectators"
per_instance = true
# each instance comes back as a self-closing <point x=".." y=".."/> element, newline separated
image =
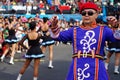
<point x="43" y="6"/>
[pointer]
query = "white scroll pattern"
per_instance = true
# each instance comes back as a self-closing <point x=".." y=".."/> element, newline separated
<point x="81" y="73"/>
<point x="88" y="41"/>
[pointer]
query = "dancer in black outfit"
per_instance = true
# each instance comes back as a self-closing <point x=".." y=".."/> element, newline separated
<point x="34" y="51"/>
<point x="47" y="41"/>
<point x="10" y="41"/>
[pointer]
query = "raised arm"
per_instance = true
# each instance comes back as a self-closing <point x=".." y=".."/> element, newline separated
<point x="54" y="27"/>
<point x="21" y="42"/>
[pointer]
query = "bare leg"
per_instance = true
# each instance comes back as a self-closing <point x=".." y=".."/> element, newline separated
<point x="50" y="56"/>
<point x="4" y="53"/>
<point x="117" y="58"/>
<point x="23" y="69"/>
<point x="108" y="60"/>
<point x="36" y="68"/>
<point x="25" y="66"/>
<point x="18" y="49"/>
<point x="43" y="49"/>
<point x="13" y="53"/>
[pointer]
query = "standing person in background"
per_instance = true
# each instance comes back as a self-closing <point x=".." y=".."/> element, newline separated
<point x="88" y="41"/>
<point x="19" y="34"/>
<point x="57" y="4"/>
<point x="47" y="41"/>
<point x="49" y="2"/>
<point x="34" y="51"/>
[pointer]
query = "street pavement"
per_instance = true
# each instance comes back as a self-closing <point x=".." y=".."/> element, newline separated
<point x="61" y="62"/>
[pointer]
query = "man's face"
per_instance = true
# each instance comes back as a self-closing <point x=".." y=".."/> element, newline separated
<point x="89" y="16"/>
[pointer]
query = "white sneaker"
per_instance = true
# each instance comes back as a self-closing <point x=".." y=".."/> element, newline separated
<point x="116" y="72"/>
<point x="1" y="60"/>
<point x="18" y="51"/>
<point x="50" y="67"/>
<point x="11" y="62"/>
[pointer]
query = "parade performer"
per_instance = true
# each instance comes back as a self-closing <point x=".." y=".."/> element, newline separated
<point x="9" y="41"/>
<point x="88" y="41"/>
<point x="114" y="48"/>
<point x="34" y="51"/>
<point x="47" y="41"/>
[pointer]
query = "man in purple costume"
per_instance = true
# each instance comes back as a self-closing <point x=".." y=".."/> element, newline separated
<point x="88" y="41"/>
